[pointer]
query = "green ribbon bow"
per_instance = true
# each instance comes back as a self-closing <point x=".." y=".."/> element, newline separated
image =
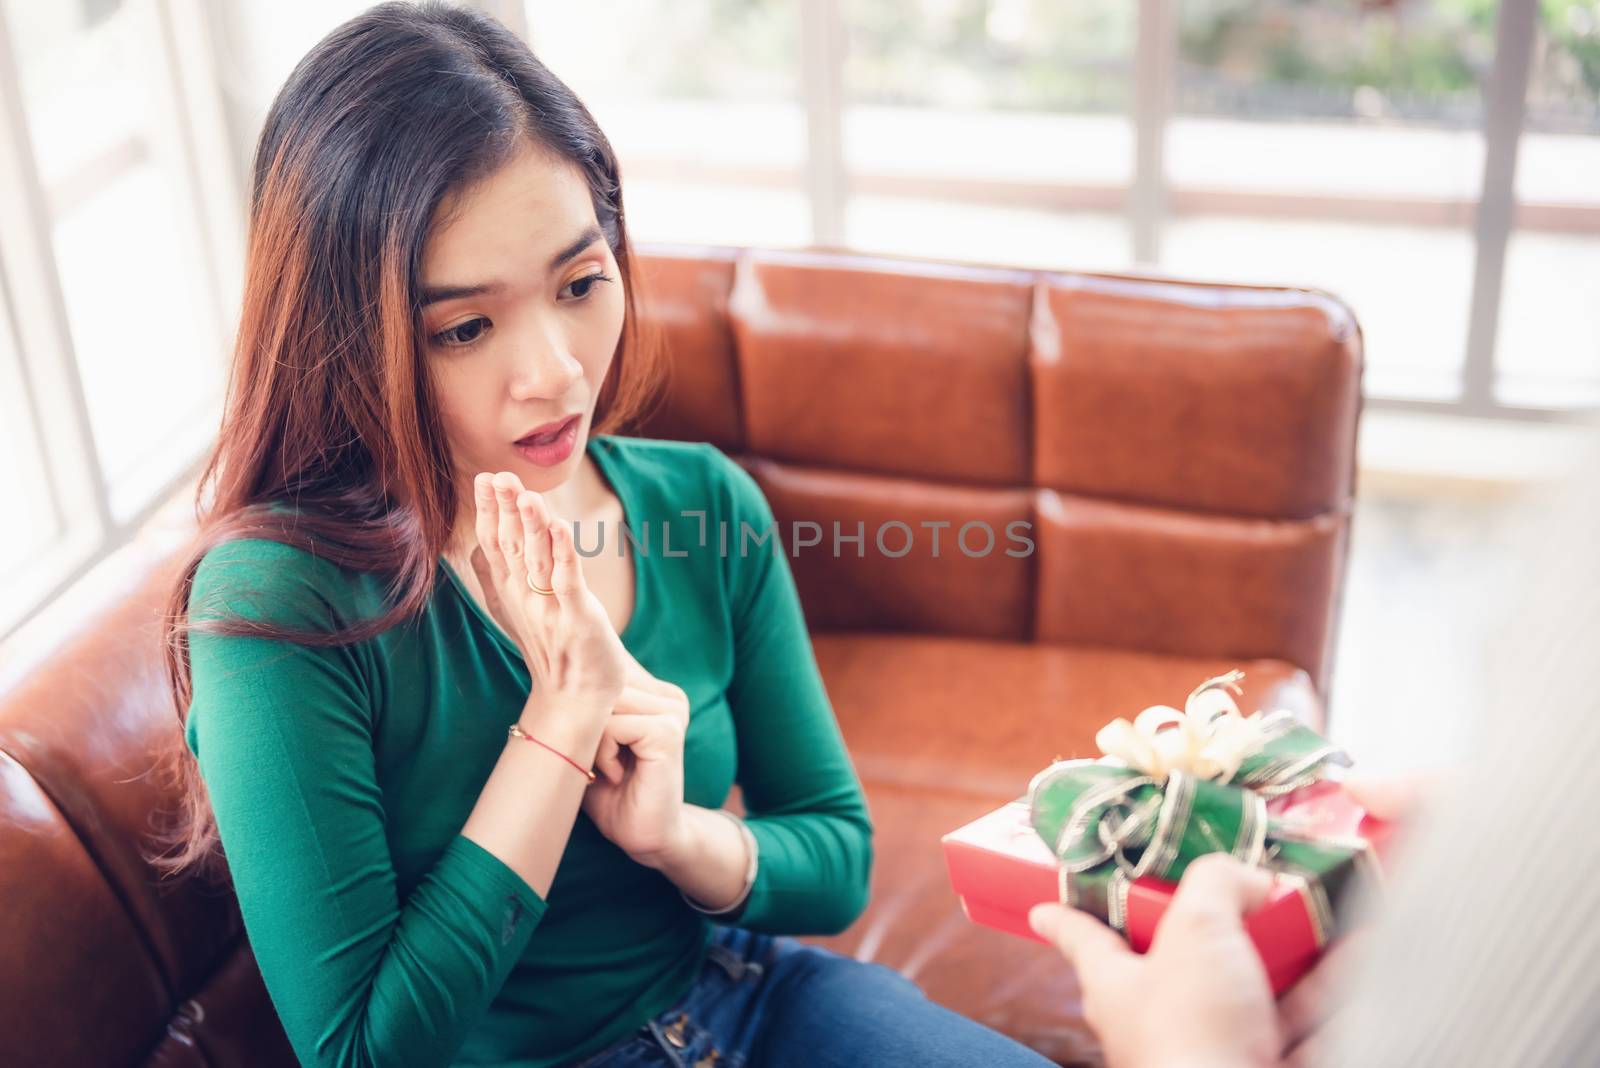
<point x="1110" y="823"/>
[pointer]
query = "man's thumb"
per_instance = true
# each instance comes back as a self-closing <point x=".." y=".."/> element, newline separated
<point x="1080" y="937"/>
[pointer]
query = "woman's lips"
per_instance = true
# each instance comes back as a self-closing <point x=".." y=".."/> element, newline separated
<point x="545" y="434"/>
<point x="550" y="453"/>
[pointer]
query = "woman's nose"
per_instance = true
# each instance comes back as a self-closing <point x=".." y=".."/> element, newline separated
<point x="545" y="367"/>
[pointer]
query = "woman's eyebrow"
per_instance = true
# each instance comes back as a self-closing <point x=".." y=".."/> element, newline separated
<point x="590" y="235"/>
<point x="435" y="294"/>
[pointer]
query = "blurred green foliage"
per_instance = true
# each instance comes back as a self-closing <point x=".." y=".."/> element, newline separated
<point x="991" y="53"/>
<point x="1423" y="46"/>
<point x="1574" y="28"/>
<point x="719" y="48"/>
<point x="1422" y="58"/>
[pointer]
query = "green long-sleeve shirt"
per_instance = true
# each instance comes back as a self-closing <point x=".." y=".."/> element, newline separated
<point x="341" y="778"/>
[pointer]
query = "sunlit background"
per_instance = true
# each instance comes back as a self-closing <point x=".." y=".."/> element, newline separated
<point x="1434" y="164"/>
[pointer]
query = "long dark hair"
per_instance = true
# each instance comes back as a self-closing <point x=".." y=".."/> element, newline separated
<point x="329" y="406"/>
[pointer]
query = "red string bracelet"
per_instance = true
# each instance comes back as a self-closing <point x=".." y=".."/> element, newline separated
<point x="517" y="732"/>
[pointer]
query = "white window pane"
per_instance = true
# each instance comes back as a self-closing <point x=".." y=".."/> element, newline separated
<point x="706" y="213"/>
<point x="1548" y="350"/>
<point x="30" y="523"/>
<point x="698" y="99"/>
<point x="148" y="358"/>
<point x="1409" y="287"/>
<point x="126" y="234"/>
<point x="1329" y="98"/>
<point x="261" y="43"/>
<point x="1548" y="354"/>
<point x="79" y="81"/>
<point x="995" y="132"/>
<point x="1020" y="237"/>
<point x="1321" y="159"/>
<point x="924" y="143"/>
<point x="717" y="138"/>
<point x="1318" y="112"/>
<point x="682" y="49"/>
<point x="1387" y="68"/>
<point x="1559" y="168"/>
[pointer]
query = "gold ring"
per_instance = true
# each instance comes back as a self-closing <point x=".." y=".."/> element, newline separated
<point x="540" y="589"/>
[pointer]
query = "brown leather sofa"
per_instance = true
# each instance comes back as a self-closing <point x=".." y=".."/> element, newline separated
<point x="1182" y="453"/>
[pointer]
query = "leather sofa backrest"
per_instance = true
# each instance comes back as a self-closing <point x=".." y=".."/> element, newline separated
<point x="1183" y="454"/>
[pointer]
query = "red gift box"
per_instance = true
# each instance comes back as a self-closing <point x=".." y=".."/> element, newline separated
<point x="1001" y="868"/>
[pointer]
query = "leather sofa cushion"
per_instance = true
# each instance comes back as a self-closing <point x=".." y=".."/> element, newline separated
<point x="980" y="717"/>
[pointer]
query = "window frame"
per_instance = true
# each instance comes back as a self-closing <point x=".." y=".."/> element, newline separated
<point x="47" y="371"/>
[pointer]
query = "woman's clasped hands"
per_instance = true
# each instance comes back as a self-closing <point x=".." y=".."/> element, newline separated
<point x="579" y="668"/>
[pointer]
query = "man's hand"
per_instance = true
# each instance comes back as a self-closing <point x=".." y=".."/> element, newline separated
<point x="1200" y="997"/>
<point x="1312" y="1001"/>
<point x="1305" y="1009"/>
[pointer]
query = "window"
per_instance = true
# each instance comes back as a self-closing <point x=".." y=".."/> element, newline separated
<point x="1356" y="148"/>
<point x="145" y="323"/>
<point x="699" y="99"/>
<point x="1548" y="350"/>
<point x="995" y="132"/>
<point x="1307" y="137"/>
<point x="33" y="520"/>
<point x="112" y="308"/>
<point x="1435" y="163"/>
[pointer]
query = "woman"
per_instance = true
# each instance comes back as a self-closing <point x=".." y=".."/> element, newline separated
<point x="398" y="670"/>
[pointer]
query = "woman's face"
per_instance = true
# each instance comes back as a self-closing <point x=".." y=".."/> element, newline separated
<point x="522" y="310"/>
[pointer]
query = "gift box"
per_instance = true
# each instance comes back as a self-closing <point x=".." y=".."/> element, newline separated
<point x="1112" y="836"/>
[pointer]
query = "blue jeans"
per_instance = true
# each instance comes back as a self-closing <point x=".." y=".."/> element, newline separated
<point x="773" y="1002"/>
